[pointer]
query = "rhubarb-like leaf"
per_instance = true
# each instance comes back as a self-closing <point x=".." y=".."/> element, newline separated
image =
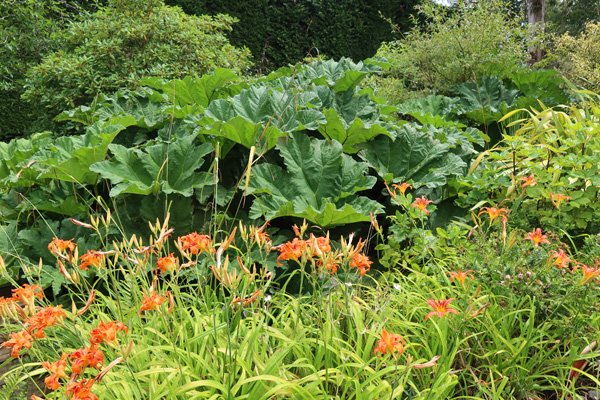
<point x="168" y="167"/>
<point x="319" y="184"/>
<point x="412" y="155"/>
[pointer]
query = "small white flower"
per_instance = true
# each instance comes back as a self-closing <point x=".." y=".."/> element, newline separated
<point x="349" y="284"/>
<point x="397" y="287"/>
<point x="267" y="298"/>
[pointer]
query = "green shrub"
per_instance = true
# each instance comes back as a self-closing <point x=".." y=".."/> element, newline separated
<point x="28" y="31"/>
<point x="579" y="57"/>
<point x="121" y="44"/>
<point x="453" y="47"/>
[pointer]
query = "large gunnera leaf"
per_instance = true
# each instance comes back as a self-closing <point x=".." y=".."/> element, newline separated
<point x="412" y="155"/>
<point x="167" y="167"/>
<point x="487" y="100"/>
<point x="319" y="183"/>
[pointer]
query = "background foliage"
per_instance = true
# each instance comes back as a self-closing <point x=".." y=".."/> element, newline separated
<point x="280" y="32"/>
<point x="123" y="43"/>
<point x="451" y="47"/>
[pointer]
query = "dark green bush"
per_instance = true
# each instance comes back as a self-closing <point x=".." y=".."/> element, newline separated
<point x="281" y="32"/>
<point x="125" y="42"/>
<point x="28" y="32"/>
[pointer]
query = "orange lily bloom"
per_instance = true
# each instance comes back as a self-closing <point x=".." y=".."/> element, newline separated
<point x="92" y="258"/>
<point x="318" y="245"/>
<point x="561" y="258"/>
<point x="291" y="250"/>
<point x="26" y="295"/>
<point x="389" y="342"/>
<point x="57" y="370"/>
<point x="536" y="237"/>
<point x="88" y="357"/>
<point x="557" y="199"/>
<point x="6" y="307"/>
<point x="168" y="263"/>
<point x="332" y="265"/>
<point x="152" y="302"/>
<point x="402" y="188"/>
<point x="44" y="318"/>
<point x="81" y="390"/>
<point x="440" y="307"/>
<point x="361" y="262"/>
<point x="107" y="332"/>
<point x="528" y="181"/>
<point x="195" y="243"/>
<point x="58" y="246"/>
<point x="421" y="204"/>
<point x="17" y="342"/>
<point x="461" y="276"/>
<point x="494" y="212"/>
<point x="27" y="292"/>
<point x="247" y="301"/>
<point x="589" y="273"/>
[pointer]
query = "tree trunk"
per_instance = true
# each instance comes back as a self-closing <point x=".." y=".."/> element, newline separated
<point x="536" y="12"/>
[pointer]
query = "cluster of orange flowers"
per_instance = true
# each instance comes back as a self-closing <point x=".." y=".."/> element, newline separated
<point x="21" y="306"/>
<point x="319" y="249"/>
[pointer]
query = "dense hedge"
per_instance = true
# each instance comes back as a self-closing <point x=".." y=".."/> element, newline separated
<point x="286" y="30"/>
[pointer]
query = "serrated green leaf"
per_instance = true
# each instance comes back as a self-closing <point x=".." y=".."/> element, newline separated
<point x="192" y="90"/>
<point x="319" y="184"/>
<point x="246" y="133"/>
<point x="349" y="135"/>
<point x="412" y="155"/>
<point x="484" y="101"/>
<point x="69" y="157"/>
<point x="168" y="167"/>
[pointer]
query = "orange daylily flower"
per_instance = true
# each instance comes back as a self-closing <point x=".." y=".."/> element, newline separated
<point x="536" y="237"/>
<point x="494" y="212"/>
<point x="291" y="250"/>
<point x="528" y="181"/>
<point x="361" y="262"/>
<point x="26" y="295"/>
<point x="557" y="199"/>
<point x="17" y="342"/>
<point x="89" y="357"/>
<point x="331" y="266"/>
<point x="92" y="258"/>
<point x="152" y="302"/>
<point x="58" y="246"/>
<point x="402" y="188"/>
<point x="421" y="204"/>
<point x="168" y="263"/>
<point x="57" y="370"/>
<point x="247" y="301"/>
<point x="318" y="245"/>
<point x="44" y="318"/>
<point x="589" y="273"/>
<point x="461" y="276"/>
<point x="7" y="307"/>
<point x="562" y="259"/>
<point x="107" y="332"/>
<point x="195" y="243"/>
<point x="389" y="342"/>
<point x="440" y="307"/>
<point x="81" y="390"/>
